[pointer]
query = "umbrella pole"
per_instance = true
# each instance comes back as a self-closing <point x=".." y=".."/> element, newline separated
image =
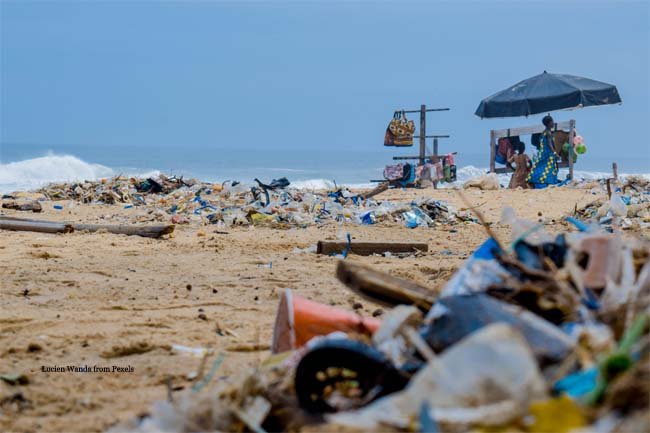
<point x="493" y="151"/>
<point x="572" y="127"/>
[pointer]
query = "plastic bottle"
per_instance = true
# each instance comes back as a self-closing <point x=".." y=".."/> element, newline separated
<point x="617" y="206"/>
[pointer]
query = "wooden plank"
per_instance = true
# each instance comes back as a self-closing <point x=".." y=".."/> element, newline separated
<point x="429" y="110"/>
<point x="502" y="170"/>
<point x="432" y="157"/>
<point x="527" y="130"/>
<point x="368" y="248"/>
<point x="433" y="136"/>
<point x="383" y="288"/>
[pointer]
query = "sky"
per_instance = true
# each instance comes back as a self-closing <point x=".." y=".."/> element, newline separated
<point x="315" y="78"/>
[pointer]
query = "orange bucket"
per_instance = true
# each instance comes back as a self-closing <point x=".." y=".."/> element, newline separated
<point x="299" y="320"/>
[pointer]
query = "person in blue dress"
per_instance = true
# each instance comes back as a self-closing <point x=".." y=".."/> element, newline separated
<point x="544" y="166"/>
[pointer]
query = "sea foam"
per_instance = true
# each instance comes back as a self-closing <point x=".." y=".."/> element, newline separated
<point x="34" y="173"/>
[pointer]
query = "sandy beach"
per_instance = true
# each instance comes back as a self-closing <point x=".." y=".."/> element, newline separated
<point x="104" y="300"/>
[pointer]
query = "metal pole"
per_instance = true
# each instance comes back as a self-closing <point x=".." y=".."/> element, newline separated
<point x="423" y="132"/>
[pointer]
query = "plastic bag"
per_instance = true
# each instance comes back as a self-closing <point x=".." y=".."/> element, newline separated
<point x="493" y="365"/>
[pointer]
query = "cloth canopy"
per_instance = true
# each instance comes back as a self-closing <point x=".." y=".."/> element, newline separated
<point x="547" y="92"/>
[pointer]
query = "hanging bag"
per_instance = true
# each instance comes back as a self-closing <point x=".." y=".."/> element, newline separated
<point x="389" y="137"/>
<point x="400" y="131"/>
<point x="404" y="136"/>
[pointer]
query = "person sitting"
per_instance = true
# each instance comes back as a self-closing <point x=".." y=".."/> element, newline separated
<point x="504" y="150"/>
<point x="522" y="167"/>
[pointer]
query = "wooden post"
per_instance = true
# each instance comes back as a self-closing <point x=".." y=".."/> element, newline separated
<point x="368" y="248"/>
<point x="572" y="127"/>
<point x="423" y="132"/>
<point x="493" y="151"/>
<point x="435" y="154"/>
<point x="615" y="170"/>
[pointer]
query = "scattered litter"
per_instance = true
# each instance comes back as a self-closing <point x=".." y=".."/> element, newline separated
<point x="128" y="349"/>
<point x="32" y="206"/>
<point x="196" y="352"/>
<point x="15" y="379"/>
<point x="486" y="182"/>
<point x="276" y="204"/>
<point x="542" y="333"/>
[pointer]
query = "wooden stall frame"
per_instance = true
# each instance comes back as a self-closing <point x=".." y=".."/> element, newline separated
<point x="422" y="156"/>
<point x="495" y="134"/>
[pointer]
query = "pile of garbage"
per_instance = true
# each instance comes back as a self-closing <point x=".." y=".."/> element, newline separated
<point x="115" y="190"/>
<point x="630" y="203"/>
<point x="233" y="203"/>
<point x="544" y="333"/>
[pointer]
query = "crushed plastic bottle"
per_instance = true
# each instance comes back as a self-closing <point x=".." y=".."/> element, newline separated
<point x="617" y="206"/>
<point x="524" y="230"/>
<point x="416" y="218"/>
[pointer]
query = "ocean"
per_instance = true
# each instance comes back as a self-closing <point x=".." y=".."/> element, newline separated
<point x="25" y="167"/>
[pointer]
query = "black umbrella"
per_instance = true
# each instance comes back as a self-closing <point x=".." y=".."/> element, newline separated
<point x="547" y="92"/>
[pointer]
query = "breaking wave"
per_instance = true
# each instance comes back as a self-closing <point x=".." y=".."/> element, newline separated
<point x="34" y="173"/>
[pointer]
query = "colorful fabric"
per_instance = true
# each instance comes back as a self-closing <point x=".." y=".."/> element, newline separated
<point x="504" y="147"/>
<point x="394" y="172"/>
<point x="439" y="171"/>
<point x="449" y="159"/>
<point x="544" y="170"/>
<point x="409" y="175"/>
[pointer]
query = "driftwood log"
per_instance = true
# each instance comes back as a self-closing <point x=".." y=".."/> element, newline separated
<point x="19" y="224"/>
<point x="378" y="189"/>
<point x="369" y="248"/>
<point x="153" y="231"/>
<point x="383" y="288"/>
<point x="34" y="226"/>
<point x="32" y="206"/>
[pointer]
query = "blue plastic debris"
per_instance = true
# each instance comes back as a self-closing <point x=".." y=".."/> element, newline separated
<point x="427" y="423"/>
<point x="578" y="384"/>
<point x="58" y="207"/>
<point x="578" y="224"/>
<point x="347" y="249"/>
<point x="486" y="250"/>
<point x="368" y="218"/>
